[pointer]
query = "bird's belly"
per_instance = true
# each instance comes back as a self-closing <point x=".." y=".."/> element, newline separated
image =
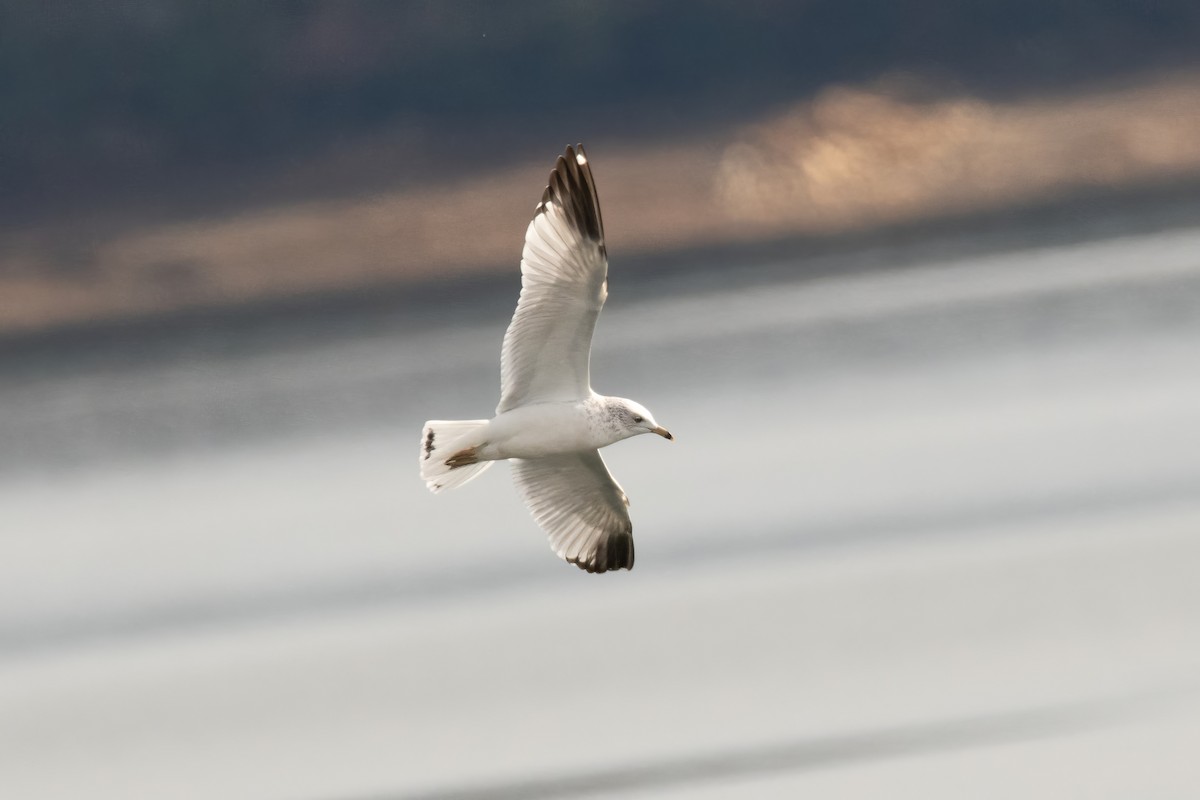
<point x="535" y="431"/>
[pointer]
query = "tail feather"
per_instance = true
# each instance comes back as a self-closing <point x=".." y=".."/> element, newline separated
<point x="449" y="442"/>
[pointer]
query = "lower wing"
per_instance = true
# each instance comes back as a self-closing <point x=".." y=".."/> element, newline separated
<point x="575" y="500"/>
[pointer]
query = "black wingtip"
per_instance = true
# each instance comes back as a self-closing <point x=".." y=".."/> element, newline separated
<point x="614" y="554"/>
<point x="572" y="188"/>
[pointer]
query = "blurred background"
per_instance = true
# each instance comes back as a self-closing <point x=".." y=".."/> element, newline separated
<point x="916" y="285"/>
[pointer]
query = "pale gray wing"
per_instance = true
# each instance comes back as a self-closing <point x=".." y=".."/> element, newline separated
<point x="564" y="281"/>
<point x="575" y="500"/>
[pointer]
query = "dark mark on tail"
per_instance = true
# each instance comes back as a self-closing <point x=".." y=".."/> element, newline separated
<point x="463" y="458"/>
<point x="429" y="444"/>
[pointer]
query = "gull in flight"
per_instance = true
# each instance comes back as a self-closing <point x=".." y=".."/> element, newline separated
<point x="549" y="422"/>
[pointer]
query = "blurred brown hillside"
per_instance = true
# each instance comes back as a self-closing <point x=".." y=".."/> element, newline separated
<point x="848" y="160"/>
<point x="157" y="157"/>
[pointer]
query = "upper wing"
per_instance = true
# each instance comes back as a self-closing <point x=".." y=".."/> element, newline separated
<point x="564" y="281"/>
<point x="575" y="500"/>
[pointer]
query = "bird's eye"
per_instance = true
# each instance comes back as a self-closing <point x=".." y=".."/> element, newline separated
<point x="636" y="418"/>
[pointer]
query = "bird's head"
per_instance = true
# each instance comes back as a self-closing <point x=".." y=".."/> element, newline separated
<point x="633" y="419"/>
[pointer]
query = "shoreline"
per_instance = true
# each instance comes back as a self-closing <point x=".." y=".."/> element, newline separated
<point x="397" y="304"/>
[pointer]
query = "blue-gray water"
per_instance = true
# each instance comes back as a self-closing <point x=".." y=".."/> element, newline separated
<point x="923" y="530"/>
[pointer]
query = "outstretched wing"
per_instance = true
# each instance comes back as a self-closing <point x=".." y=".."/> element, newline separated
<point x="564" y="281"/>
<point x="575" y="500"/>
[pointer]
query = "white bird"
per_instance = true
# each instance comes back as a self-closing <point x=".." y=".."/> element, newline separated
<point x="549" y="422"/>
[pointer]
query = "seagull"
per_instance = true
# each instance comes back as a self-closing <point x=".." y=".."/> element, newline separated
<point x="550" y="424"/>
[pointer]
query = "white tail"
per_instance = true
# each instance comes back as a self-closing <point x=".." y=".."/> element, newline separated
<point x="451" y="441"/>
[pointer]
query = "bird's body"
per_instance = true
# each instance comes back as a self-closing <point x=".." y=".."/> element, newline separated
<point x="549" y="421"/>
<point x="547" y="429"/>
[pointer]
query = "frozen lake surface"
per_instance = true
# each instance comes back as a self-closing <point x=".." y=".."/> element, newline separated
<point x="929" y="531"/>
